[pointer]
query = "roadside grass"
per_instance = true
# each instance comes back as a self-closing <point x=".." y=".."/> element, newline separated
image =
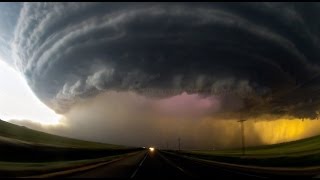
<point x="301" y="153"/>
<point x="27" y="152"/>
<point x="36" y="137"/>
<point x="266" y="161"/>
<point x="18" y="169"/>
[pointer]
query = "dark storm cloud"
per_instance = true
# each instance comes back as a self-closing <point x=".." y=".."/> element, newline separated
<point x="267" y="51"/>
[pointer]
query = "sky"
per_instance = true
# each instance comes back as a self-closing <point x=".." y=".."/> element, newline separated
<point x="19" y="102"/>
<point x="145" y="67"/>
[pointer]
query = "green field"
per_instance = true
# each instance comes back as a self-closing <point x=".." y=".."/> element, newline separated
<point x="299" y="147"/>
<point x="24" y="152"/>
<point x="301" y="153"/>
<point x="22" y="133"/>
<point x="21" y="169"/>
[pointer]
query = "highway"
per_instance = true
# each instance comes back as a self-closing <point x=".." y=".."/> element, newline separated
<point x="155" y="164"/>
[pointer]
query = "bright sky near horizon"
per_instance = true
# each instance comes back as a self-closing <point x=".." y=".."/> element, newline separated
<point x="19" y="102"/>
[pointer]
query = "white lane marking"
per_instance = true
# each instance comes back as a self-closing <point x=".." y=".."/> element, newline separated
<point x="174" y="165"/>
<point x="82" y="170"/>
<point x="223" y="169"/>
<point x="135" y="172"/>
<point x="199" y="161"/>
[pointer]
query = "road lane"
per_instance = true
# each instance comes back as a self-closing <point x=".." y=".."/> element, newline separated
<point x="123" y="168"/>
<point x="198" y="169"/>
<point x="206" y="169"/>
<point x="158" y="166"/>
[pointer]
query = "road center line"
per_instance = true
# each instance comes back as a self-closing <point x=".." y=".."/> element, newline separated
<point x="174" y="165"/>
<point x="135" y="172"/>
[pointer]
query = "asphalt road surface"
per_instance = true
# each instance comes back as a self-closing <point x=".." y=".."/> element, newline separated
<point x="156" y="164"/>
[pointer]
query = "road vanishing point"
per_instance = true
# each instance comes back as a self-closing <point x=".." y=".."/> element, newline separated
<point x="158" y="164"/>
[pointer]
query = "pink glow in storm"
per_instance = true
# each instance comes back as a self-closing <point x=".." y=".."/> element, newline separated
<point x="187" y="104"/>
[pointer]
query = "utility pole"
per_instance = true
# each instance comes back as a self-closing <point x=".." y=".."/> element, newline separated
<point x="179" y="143"/>
<point x="242" y="136"/>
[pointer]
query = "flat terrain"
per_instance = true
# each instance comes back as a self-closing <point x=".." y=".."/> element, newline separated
<point x="149" y="164"/>
<point x="25" y="152"/>
<point x="28" y="152"/>
<point x="26" y="135"/>
<point x="301" y="153"/>
<point x="159" y="164"/>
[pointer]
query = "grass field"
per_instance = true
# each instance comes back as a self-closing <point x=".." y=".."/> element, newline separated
<point x="301" y="153"/>
<point x="24" y="151"/>
<point x="21" y="169"/>
<point x="21" y="133"/>
<point x="20" y="144"/>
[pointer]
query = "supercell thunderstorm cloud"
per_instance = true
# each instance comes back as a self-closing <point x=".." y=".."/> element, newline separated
<point x="144" y="73"/>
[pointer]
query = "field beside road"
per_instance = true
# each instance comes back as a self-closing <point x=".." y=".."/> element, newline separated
<point x="24" y="151"/>
<point x="301" y="153"/>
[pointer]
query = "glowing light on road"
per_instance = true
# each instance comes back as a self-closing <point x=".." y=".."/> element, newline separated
<point x="151" y="149"/>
